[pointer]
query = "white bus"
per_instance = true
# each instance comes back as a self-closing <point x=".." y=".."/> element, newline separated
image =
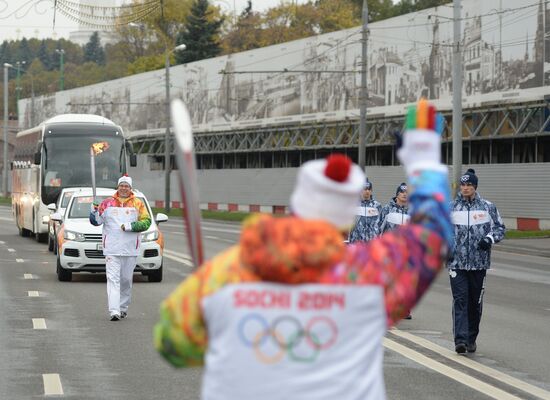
<point x="56" y="155"/>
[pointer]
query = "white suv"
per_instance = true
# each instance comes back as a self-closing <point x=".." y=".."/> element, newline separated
<point x="79" y="246"/>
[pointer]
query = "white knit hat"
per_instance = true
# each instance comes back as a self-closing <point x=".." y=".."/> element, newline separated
<point x="328" y="189"/>
<point x="124" y="179"/>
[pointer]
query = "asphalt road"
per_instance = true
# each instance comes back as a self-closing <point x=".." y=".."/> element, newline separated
<point x="56" y="339"/>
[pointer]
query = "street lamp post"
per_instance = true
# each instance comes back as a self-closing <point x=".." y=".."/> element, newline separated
<point x="5" y="169"/>
<point x="167" y="150"/>
<point x="61" y="53"/>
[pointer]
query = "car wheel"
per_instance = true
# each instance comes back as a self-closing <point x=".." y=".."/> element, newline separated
<point x="40" y="237"/>
<point x="50" y="243"/>
<point x="63" y="275"/>
<point x="55" y="246"/>
<point x="156" y="275"/>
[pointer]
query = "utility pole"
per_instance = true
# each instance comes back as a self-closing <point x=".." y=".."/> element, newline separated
<point x="61" y="53"/>
<point x="167" y="152"/>
<point x="457" y="98"/>
<point x="5" y="169"/>
<point x="364" y="94"/>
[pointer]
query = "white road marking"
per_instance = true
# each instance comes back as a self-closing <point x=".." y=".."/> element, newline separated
<point x="180" y="260"/>
<point x="2" y="242"/>
<point x="177" y="254"/>
<point x="28" y="276"/>
<point x="39" y="323"/>
<point x="6" y="219"/>
<point x="52" y="384"/>
<point x="460" y="377"/>
<point x="211" y="237"/>
<point x="45" y="262"/>
<point x="19" y="260"/>
<point x="33" y="293"/>
<point x="11" y="250"/>
<point x="493" y="373"/>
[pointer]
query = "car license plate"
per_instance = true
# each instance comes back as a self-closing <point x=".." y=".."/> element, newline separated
<point x="100" y="247"/>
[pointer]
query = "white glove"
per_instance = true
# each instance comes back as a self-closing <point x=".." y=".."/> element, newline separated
<point x="421" y="150"/>
<point x="126" y="227"/>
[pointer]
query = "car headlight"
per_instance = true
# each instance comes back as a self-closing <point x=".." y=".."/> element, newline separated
<point x="150" y="236"/>
<point x="74" y="236"/>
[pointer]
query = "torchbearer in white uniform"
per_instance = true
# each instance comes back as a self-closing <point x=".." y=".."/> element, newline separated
<point x="123" y="217"/>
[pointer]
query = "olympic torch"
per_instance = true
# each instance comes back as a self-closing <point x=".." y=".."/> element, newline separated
<point x="188" y="179"/>
<point x="95" y="149"/>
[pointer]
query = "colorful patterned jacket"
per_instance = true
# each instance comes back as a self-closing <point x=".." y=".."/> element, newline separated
<point x="291" y="251"/>
<point x="366" y="227"/>
<point x="474" y="220"/>
<point x="392" y="216"/>
<point x="114" y="212"/>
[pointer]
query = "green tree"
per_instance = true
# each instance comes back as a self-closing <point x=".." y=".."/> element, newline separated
<point x="93" y="52"/>
<point x="44" y="56"/>
<point x="246" y="33"/>
<point x="23" y="51"/>
<point x="200" y="35"/>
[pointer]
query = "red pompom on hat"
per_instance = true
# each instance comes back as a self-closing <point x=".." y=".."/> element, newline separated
<point x="338" y="167"/>
<point x="328" y="189"/>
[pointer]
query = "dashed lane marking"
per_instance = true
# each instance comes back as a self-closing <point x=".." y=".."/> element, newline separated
<point x="33" y="293"/>
<point x="39" y="323"/>
<point x="52" y="384"/>
<point x="461" y="377"/>
<point x="2" y="242"/>
<point x="28" y="276"/>
<point x="493" y="373"/>
<point x="19" y="260"/>
<point x="11" y="250"/>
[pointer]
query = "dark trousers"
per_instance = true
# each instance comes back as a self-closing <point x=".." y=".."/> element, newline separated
<point x="468" y="288"/>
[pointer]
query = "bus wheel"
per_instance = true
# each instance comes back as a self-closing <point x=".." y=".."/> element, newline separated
<point x="24" y="232"/>
<point x="50" y="243"/>
<point x="62" y="274"/>
<point x="41" y="237"/>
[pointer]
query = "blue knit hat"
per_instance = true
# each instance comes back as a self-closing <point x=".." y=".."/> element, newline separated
<point x="367" y="185"/>
<point x="401" y="188"/>
<point x="469" y="177"/>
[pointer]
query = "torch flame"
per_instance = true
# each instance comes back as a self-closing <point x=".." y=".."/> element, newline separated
<point x="99" y="147"/>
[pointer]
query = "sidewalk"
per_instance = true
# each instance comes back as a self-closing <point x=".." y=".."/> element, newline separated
<point x="531" y="246"/>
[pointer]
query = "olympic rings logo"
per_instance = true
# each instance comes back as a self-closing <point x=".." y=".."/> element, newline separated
<point x="286" y="335"/>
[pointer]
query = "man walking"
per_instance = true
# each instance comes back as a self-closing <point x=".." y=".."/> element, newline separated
<point x="365" y="227"/>
<point x="477" y="226"/>
<point x="123" y="216"/>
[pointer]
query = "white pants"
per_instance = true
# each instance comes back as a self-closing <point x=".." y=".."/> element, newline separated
<point x="120" y="272"/>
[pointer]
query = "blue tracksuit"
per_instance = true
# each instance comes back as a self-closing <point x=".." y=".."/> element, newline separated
<point x="365" y="228"/>
<point x="473" y="220"/>
<point x="392" y="216"/>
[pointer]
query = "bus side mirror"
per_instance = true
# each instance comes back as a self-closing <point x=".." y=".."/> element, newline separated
<point x="37" y="158"/>
<point x="133" y="160"/>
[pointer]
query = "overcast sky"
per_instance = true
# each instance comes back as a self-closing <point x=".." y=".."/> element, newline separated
<point x="34" y="18"/>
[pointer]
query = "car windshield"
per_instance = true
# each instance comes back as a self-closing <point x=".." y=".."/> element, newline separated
<point x="81" y="205"/>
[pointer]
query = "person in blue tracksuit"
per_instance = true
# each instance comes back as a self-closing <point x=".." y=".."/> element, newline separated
<point x="365" y="227"/>
<point x="478" y="225"/>
<point x="395" y="213"/>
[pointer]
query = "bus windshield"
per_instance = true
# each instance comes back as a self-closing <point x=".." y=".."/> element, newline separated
<point x="66" y="163"/>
